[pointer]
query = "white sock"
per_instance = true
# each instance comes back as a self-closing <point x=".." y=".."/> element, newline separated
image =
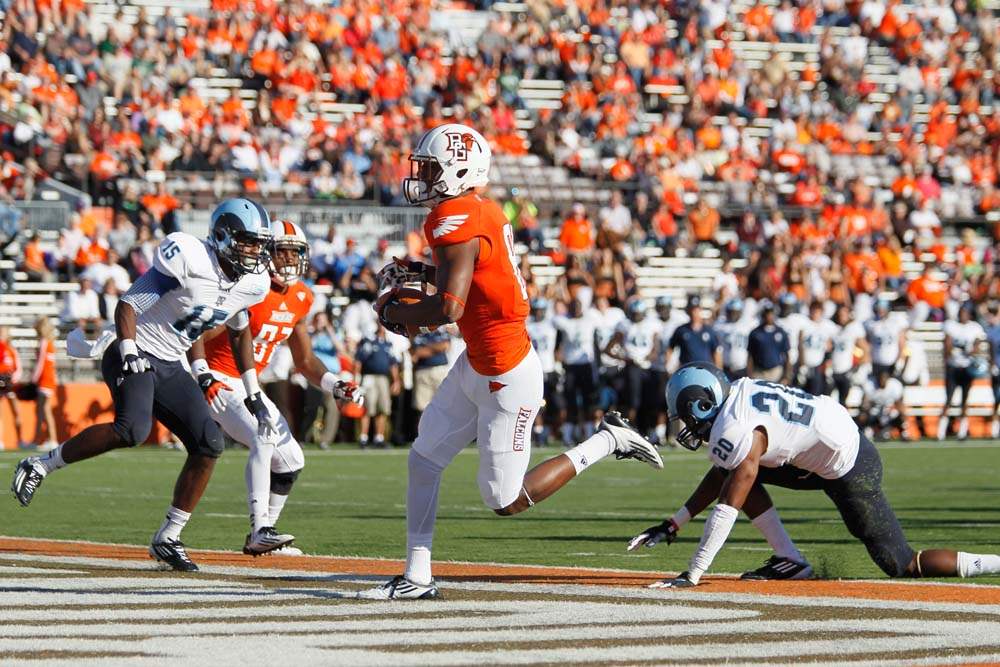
<point x="591" y="450"/>
<point x="974" y="565"/>
<point x="769" y="524"/>
<point x="274" y="507"/>
<point x="995" y="429"/>
<point x="53" y="460"/>
<point x="942" y="428"/>
<point x="963" y="428"/>
<point x="172" y="525"/>
<point x="258" y="479"/>
<point x="421" y="513"/>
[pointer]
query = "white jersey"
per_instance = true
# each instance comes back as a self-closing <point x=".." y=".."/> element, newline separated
<point x="578" y="338"/>
<point x="814" y="433"/>
<point x="963" y="341"/>
<point x="883" y="337"/>
<point x="884" y="397"/>
<point x="844" y="342"/>
<point x="638" y="339"/>
<point x="735" y="338"/>
<point x="666" y="332"/>
<point x="606" y="324"/>
<point x="793" y="324"/>
<point x="543" y="338"/>
<point x="187" y="296"/>
<point x="815" y="338"/>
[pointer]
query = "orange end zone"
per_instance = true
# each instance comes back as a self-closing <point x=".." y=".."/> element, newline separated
<point x="529" y="574"/>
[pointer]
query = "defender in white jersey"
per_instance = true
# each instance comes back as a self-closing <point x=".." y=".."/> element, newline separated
<point x="734" y="333"/>
<point x="815" y="346"/>
<point x="793" y="322"/>
<point x="765" y="433"/>
<point x="577" y="350"/>
<point x="633" y="343"/>
<point x="849" y="336"/>
<point x="886" y="334"/>
<point x="882" y="412"/>
<point x="192" y="287"/>
<point x="960" y="340"/>
<point x="663" y="360"/>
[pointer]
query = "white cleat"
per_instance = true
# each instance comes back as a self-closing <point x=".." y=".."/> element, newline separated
<point x="400" y="588"/>
<point x="265" y="540"/>
<point x="629" y="443"/>
<point x="28" y="476"/>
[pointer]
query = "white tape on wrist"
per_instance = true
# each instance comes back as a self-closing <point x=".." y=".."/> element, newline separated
<point x="127" y="346"/>
<point x="328" y="382"/>
<point x="199" y="367"/>
<point x="717" y="528"/>
<point x="250" y="382"/>
<point x="681" y="517"/>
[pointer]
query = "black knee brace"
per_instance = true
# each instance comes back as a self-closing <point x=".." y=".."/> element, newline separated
<point x="281" y="482"/>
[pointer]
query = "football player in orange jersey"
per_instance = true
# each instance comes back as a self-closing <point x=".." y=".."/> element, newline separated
<point x="273" y="464"/>
<point x="494" y="390"/>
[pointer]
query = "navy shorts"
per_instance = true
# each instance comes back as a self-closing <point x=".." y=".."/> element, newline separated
<point x="862" y="505"/>
<point x="166" y="392"/>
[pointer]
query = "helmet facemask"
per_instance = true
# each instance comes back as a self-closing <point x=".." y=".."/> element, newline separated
<point x="243" y="251"/>
<point x="426" y="183"/>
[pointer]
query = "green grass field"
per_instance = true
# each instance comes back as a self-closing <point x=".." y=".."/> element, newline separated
<point x="351" y="503"/>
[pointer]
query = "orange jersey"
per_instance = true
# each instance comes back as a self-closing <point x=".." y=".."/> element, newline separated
<point x="496" y="308"/>
<point x="9" y="362"/>
<point x="45" y="366"/>
<point x="271" y="323"/>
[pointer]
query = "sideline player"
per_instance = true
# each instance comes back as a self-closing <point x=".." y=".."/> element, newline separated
<point x="760" y="432"/>
<point x="494" y="391"/>
<point x="192" y="286"/>
<point x="960" y="340"/>
<point x="274" y="463"/>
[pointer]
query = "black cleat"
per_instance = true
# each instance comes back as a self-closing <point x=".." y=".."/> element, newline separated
<point x="777" y="567"/>
<point x="173" y="554"/>
<point x="28" y="476"/>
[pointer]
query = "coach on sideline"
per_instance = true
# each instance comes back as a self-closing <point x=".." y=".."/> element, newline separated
<point x="768" y="348"/>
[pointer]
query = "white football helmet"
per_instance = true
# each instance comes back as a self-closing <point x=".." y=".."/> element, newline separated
<point x="448" y="161"/>
<point x="288" y="236"/>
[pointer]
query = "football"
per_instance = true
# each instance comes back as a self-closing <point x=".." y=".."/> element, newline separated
<point x="406" y="295"/>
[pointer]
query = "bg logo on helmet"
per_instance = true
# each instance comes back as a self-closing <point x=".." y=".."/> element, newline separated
<point x="460" y="145"/>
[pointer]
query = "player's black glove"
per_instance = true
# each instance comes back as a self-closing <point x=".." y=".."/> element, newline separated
<point x="132" y="363"/>
<point x="265" y="427"/>
<point x="683" y="580"/>
<point x="661" y="532"/>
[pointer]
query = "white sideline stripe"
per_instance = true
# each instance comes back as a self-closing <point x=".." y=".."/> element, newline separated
<point x="17" y="569"/>
<point x="121" y="583"/>
<point x="488" y="616"/>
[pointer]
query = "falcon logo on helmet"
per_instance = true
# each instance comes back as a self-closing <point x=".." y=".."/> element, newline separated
<point x="240" y="233"/>
<point x="289" y="254"/>
<point x="448" y="161"/>
<point x="695" y="394"/>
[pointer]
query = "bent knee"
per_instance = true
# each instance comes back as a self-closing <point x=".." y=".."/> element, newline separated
<point x="210" y="441"/>
<point x="132" y="432"/>
<point x="281" y="482"/>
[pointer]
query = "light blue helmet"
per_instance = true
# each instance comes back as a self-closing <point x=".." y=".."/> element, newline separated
<point x="241" y="235"/>
<point x="695" y="394"/>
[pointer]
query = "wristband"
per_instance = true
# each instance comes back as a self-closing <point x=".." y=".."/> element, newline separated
<point x="127" y="346"/>
<point x="328" y="382"/>
<point x="250" y="382"/>
<point x="447" y="295"/>
<point x="681" y="517"/>
<point x="199" y="367"/>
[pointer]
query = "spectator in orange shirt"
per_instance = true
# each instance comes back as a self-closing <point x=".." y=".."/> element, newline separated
<point x="927" y="296"/>
<point x="577" y="234"/>
<point x="33" y="263"/>
<point x="664" y="227"/>
<point x="703" y="223"/>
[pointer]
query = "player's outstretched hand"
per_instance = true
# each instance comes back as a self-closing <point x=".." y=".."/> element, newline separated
<point x="348" y="392"/>
<point x="661" y="532"/>
<point x="683" y="580"/>
<point x="265" y="426"/>
<point x="213" y="389"/>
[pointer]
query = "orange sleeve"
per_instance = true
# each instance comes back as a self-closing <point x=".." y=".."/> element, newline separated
<point x="454" y="221"/>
